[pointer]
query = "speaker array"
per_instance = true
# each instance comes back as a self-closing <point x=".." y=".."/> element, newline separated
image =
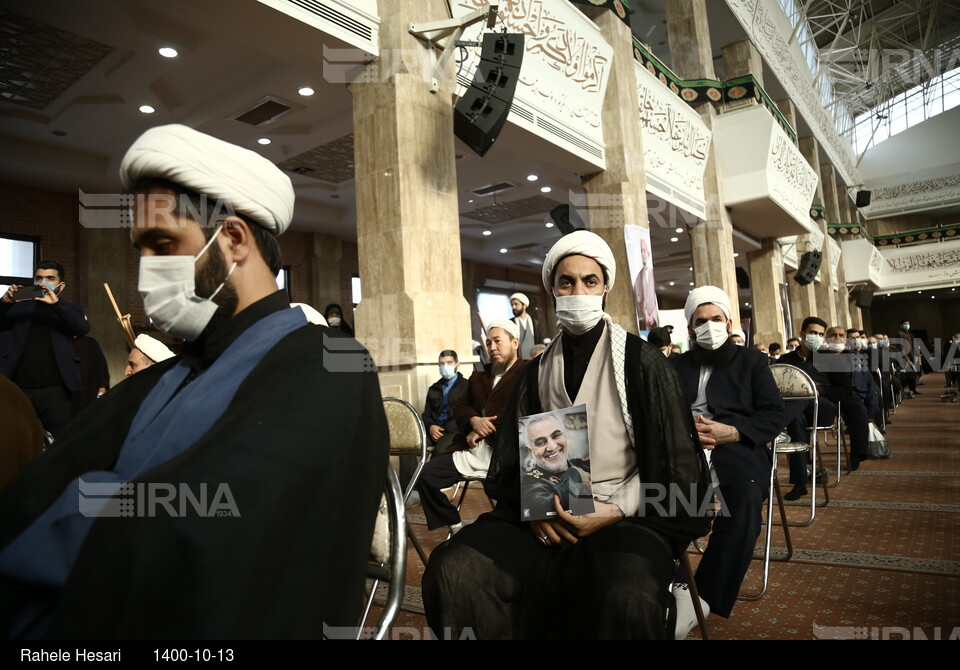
<point x="808" y="268"/>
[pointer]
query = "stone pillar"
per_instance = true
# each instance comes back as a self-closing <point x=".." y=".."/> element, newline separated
<point x="325" y="282"/>
<point x="711" y="241"/>
<point x="742" y="58"/>
<point x="766" y="273"/>
<point x="85" y="285"/>
<point x="406" y="183"/>
<point x="844" y="311"/>
<point x="616" y="197"/>
<point x="826" y="296"/>
<point x="803" y="299"/>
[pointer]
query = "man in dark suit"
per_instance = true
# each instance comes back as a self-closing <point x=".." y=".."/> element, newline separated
<point x="477" y="413"/>
<point x="40" y="357"/>
<point x="441" y="398"/>
<point x="737" y="410"/>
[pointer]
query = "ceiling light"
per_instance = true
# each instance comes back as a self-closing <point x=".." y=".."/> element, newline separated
<point x="736" y="255"/>
<point x="147" y="109"/>
<point x="674" y="239"/>
<point x="545" y="189"/>
<point x="487" y="233"/>
<point x="263" y="140"/>
<point x="469" y="202"/>
<point x="167" y="52"/>
<point x="532" y="177"/>
<point x="691" y="269"/>
<point x="549" y="224"/>
<point x="691" y="283"/>
<point x="673" y="283"/>
<point x="503" y="251"/>
<point x="746" y="304"/>
<point x="679" y="230"/>
<point x="306" y="90"/>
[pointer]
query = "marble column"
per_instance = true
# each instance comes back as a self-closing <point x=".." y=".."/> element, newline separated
<point x="325" y="281"/>
<point x="711" y="241"/>
<point x="766" y="274"/>
<point x="406" y="183"/>
<point x="826" y="294"/>
<point x="742" y="58"/>
<point x="843" y="294"/>
<point x="803" y="299"/>
<point x="616" y="197"/>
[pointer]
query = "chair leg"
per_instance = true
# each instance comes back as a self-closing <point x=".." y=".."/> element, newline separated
<point x="774" y="485"/>
<point x="695" y="595"/>
<point x="824" y="483"/>
<point x="416" y="545"/>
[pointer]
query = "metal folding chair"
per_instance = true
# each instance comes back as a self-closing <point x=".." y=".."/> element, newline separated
<point x="408" y="437"/>
<point x="389" y="558"/>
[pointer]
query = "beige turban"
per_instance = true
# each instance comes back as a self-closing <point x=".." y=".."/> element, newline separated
<point x="152" y="348"/>
<point x="704" y="295"/>
<point x="507" y="325"/>
<point x="313" y="316"/>
<point x="238" y="177"/>
<point x="522" y="298"/>
<point x="581" y="243"/>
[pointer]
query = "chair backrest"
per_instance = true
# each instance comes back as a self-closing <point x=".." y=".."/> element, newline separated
<point x="793" y="382"/>
<point x="408" y="437"/>
<point x="388" y="553"/>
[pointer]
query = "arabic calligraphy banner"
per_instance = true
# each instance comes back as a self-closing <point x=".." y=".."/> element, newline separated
<point x="619" y="7"/>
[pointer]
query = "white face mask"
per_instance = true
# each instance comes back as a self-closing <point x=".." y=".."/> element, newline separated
<point x="836" y="346"/>
<point x="577" y="314"/>
<point x="813" y="342"/>
<point x="168" y="288"/>
<point x="448" y="372"/>
<point x="334" y="321"/>
<point x="711" y="335"/>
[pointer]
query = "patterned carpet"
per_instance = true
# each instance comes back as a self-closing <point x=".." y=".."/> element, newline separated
<point x="879" y="562"/>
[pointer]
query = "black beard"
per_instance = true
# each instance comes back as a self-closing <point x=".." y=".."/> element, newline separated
<point x="517" y="312"/>
<point x="498" y="369"/>
<point x="209" y="275"/>
<point x="714" y="357"/>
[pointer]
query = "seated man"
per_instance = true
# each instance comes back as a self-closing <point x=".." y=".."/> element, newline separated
<point x="442" y="396"/>
<point x="737" y="410"/>
<point x="204" y="497"/>
<point x="477" y="413"/>
<point x="833" y="377"/>
<point x="146" y="352"/>
<point x="605" y="574"/>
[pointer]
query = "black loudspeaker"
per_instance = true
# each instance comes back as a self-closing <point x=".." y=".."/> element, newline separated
<point x="809" y="267"/>
<point x="743" y="280"/>
<point x="865" y="299"/>
<point x="863" y="198"/>
<point x="482" y="112"/>
<point x="567" y="219"/>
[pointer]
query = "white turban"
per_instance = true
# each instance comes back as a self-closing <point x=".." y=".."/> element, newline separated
<point x="737" y="332"/>
<point x="244" y="179"/>
<point x="522" y="298"/>
<point x="582" y="243"/>
<point x="507" y="325"/>
<point x="152" y="348"/>
<point x="704" y="295"/>
<point x="313" y="316"/>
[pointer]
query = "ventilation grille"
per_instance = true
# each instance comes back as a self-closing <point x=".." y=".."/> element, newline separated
<point x="335" y="17"/>
<point x="40" y="62"/>
<point x="331" y="162"/>
<point x="490" y="189"/>
<point x="263" y="112"/>
<point x="511" y="211"/>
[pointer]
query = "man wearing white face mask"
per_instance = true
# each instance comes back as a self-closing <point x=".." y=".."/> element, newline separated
<point x="441" y="398"/>
<point x="737" y="410"/>
<point x="600" y="575"/>
<point x="268" y="433"/>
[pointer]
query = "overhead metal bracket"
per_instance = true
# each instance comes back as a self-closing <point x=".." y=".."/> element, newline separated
<point x="444" y="35"/>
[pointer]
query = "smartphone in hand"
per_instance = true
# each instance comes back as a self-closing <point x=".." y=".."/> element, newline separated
<point x="28" y="293"/>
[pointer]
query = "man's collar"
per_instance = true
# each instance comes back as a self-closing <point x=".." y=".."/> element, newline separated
<point x="202" y="352"/>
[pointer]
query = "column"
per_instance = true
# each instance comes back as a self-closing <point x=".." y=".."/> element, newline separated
<point x="844" y="312"/>
<point x="711" y="241"/>
<point x="616" y="197"/>
<point x="325" y="281"/>
<point x="803" y="300"/>
<point x="826" y="296"/>
<point x="406" y="183"/>
<point x="766" y="273"/>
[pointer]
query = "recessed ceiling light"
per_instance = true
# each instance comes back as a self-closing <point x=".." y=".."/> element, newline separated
<point x="545" y="189"/>
<point x="746" y="304"/>
<point x="674" y="239"/>
<point x="167" y="52"/>
<point x="679" y="230"/>
<point x="263" y="140"/>
<point x="532" y="177"/>
<point x="487" y="233"/>
<point x="469" y="202"/>
<point x="549" y="224"/>
<point x="503" y="251"/>
<point x="673" y="283"/>
<point x="147" y="109"/>
<point x="691" y="283"/>
<point x="691" y="269"/>
<point x="306" y="90"/>
<point x="736" y="255"/>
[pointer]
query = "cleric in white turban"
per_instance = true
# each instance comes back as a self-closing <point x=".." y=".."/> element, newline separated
<point x="515" y="573"/>
<point x="227" y="174"/>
